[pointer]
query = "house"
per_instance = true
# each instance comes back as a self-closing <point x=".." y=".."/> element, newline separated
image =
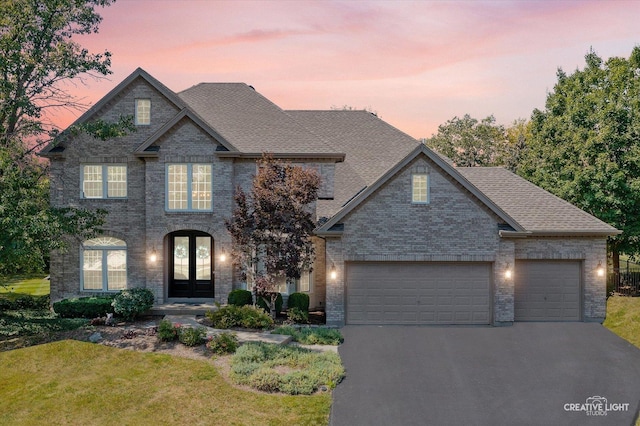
<point x="403" y="237"/>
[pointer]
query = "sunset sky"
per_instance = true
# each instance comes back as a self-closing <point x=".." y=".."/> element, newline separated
<point x="416" y="63"/>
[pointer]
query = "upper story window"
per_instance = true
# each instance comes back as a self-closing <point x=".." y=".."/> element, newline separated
<point x="420" y="188"/>
<point x="143" y="112"/>
<point x="104" y="264"/>
<point x="189" y="187"/>
<point x="104" y="181"/>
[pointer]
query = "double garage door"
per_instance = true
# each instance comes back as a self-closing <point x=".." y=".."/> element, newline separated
<point x="458" y="293"/>
<point x="418" y="293"/>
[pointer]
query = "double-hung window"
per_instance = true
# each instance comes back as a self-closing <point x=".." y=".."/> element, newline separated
<point x="189" y="187"/>
<point x="420" y="188"/>
<point x="104" y="264"/>
<point x="104" y="181"/>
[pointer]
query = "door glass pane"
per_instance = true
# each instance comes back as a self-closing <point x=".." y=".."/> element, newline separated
<point x="181" y="258"/>
<point x="203" y="258"/>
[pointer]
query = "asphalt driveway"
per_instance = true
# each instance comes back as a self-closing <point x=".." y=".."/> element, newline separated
<point x="527" y="374"/>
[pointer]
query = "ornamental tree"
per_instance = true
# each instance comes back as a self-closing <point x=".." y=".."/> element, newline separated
<point x="271" y="226"/>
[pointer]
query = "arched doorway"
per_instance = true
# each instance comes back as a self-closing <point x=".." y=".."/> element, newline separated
<point x="190" y="264"/>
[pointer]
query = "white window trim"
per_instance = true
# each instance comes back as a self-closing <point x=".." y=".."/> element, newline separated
<point x="189" y="208"/>
<point x="105" y="181"/>
<point x="428" y="181"/>
<point x="105" y="270"/>
<point x="137" y="123"/>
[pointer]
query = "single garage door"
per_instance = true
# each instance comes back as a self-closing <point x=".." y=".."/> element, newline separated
<point x="418" y="293"/>
<point x="547" y="290"/>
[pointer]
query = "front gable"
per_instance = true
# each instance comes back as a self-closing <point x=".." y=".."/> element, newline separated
<point x="121" y="101"/>
<point x="451" y="224"/>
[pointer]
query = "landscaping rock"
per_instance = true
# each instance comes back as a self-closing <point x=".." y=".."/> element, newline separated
<point x="95" y="337"/>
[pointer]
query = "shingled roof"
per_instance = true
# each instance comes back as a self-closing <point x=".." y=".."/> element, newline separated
<point x="535" y="209"/>
<point x="249" y="121"/>
<point x="371" y="145"/>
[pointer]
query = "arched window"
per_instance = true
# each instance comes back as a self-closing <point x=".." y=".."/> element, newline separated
<point x="104" y="264"/>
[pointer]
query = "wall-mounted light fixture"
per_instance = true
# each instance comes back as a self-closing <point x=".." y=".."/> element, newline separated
<point x="223" y="255"/>
<point x="508" y="272"/>
<point x="600" y="269"/>
<point x="153" y="255"/>
<point x="333" y="273"/>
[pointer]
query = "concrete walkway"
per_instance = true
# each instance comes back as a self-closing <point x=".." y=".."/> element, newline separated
<point x="243" y="336"/>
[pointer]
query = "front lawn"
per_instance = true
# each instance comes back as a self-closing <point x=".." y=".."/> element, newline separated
<point x="71" y="382"/>
<point x="623" y="318"/>
<point x="33" y="285"/>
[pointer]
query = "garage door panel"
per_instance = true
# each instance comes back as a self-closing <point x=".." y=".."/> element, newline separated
<point x="418" y="293"/>
<point x="547" y="290"/>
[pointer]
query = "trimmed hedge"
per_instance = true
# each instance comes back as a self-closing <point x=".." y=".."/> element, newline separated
<point x="25" y="302"/>
<point x="299" y="300"/>
<point x="264" y="302"/>
<point x="84" y="307"/>
<point x="240" y="298"/>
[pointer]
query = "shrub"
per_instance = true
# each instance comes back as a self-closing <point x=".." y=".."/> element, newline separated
<point x="190" y="336"/>
<point x="312" y="335"/>
<point x="167" y="332"/>
<point x="297" y="315"/>
<point x="239" y="316"/>
<point x="240" y="298"/>
<point x="84" y="307"/>
<point x="133" y="301"/>
<point x="265" y="300"/>
<point x="25" y="302"/>
<point x="5" y="304"/>
<point x="223" y="343"/>
<point x="255" y="364"/>
<point x="299" y="300"/>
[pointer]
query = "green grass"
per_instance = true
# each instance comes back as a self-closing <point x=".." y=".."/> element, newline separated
<point x="34" y="285"/>
<point x="78" y="383"/>
<point x="623" y="318"/>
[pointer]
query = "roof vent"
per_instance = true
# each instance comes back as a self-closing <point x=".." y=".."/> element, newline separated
<point x="252" y="87"/>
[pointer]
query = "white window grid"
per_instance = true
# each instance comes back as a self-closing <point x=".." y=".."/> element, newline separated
<point x="143" y="112"/>
<point x="104" y="264"/>
<point x="189" y="187"/>
<point x="419" y="191"/>
<point x="104" y="181"/>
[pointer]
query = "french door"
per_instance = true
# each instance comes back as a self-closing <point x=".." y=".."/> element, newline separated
<point x="190" y="264"/>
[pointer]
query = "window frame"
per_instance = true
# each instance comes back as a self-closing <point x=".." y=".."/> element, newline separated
<point x="105" y="250"/>
<point x="427" y="194"/>
<point x="136" y="112"/>
<point x="189" y="185"/>
<point x="105" y="180"/>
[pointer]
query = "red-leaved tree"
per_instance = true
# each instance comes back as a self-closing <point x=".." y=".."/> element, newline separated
<point x="271" y="226"/>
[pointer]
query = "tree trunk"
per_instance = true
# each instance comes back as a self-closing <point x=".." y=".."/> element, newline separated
<point x="272" y="304"/>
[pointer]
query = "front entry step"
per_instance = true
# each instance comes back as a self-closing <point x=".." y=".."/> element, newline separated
<point x="182" y="309"/>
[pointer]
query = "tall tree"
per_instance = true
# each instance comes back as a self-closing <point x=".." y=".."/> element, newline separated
<point x="517" y="136"/>
<point x="585" y="144"/>
<point x="469" y="142"/>
<point x="271" y="225"/>
<point x="37" y="56"/>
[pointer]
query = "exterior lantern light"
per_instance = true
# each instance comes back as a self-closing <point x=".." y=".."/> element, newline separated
<point x="153" y="255"/>
<point x="600" y="269"/>
<point x="333" y="273"/>
<point x="223" y="255"/>
<point x="508" y="273"/>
